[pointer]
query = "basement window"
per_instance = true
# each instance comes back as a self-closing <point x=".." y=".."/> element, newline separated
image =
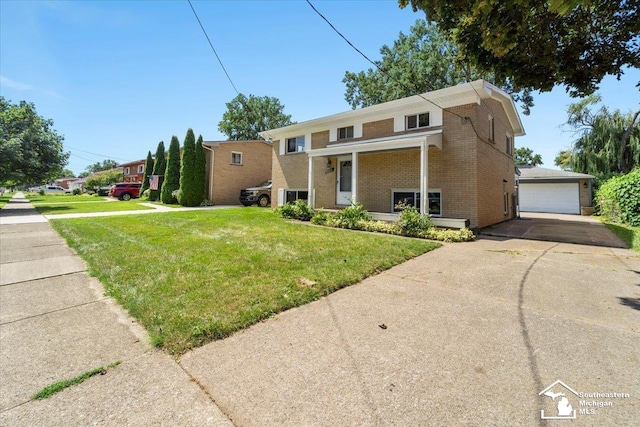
<point x="412" y="198"/>
<point x="293" y="195"/>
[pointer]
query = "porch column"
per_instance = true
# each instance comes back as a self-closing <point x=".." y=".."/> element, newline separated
<point x="424" y="177"/>
<point x="311" y="198"/>
<point x="354" y="177"/>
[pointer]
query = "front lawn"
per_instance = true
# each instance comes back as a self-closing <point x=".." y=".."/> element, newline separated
<point x="97" y="206"/>
<point x="192" y="277"/>
<point x="62" y="198"/>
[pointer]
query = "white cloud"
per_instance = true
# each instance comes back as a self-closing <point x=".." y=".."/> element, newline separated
<point x="12" y="84"/>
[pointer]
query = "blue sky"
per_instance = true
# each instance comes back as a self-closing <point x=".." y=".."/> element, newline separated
<point x="118" y="77"/>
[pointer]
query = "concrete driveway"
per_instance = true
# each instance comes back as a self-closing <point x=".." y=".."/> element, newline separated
<point x="584" y="230"/>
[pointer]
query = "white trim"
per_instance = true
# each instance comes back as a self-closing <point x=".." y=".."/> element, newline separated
<point x="453" y="96"/>
<point x="415" y="140"/>
<point x="280" y="196"/>
<point x="140" y="168"/>
<point x="311" y="197"/>
<point x="281" y="148"/>
<point x="127" y="170"/>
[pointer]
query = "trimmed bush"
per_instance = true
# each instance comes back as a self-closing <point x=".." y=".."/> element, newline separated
<point x="411" y="222"/>
<point x="148" y="170"/>
<point x="619" y="198"/>
<point x="351" y="217"/>
<point x="298" y="210"/>
<point x="200" y="171"/>
<point x="172" y="173"/>
<point x="188" y="194"/>
<point x="159" y="167"/>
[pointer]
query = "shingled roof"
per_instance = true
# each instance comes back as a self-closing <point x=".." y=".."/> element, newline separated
<point x="538" y="173"/>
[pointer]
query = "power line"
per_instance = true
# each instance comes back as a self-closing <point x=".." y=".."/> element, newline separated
<point x="213" y="48"/>
<point x="96" y="154"/>
<point x="378" y="67"/>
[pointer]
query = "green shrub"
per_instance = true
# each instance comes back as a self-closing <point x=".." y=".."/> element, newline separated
<point x="41" y="192"/>
<point x="411" y="222"/>
<point x="76" y="192"/>
<point x="448" y="235"/>
<point x="171" y="181"/>
<point x="320" y="218"/>
<point x="351" y="217"/>
<point x="298" y="210"/>
<point x="618" y="199"/>
<point x="206" y="202"/>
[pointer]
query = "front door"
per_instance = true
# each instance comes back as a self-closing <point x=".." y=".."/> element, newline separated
<point x="343" y="190"/>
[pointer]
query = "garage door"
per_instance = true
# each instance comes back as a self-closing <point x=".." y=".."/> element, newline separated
<point x="552" y="198"/>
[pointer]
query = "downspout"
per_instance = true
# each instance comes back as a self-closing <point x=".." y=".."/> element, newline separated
<point x="210" y="171"/>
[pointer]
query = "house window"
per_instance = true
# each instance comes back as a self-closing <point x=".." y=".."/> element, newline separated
<point x="345" y="133"/>
<point x="236" y="158"/>
<point x="412" y="198"/>
<point x="491" y="128"/>
<point x="127" y="171"/>
<point x="417" y="121"/>
<point x="140" y="168"/>
<point x="293" y="195"/>
<point x="509" y="144"/>
<point x="295" y="145"/>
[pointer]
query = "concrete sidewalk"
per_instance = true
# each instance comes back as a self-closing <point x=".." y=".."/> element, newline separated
<point x="56" y="323"/>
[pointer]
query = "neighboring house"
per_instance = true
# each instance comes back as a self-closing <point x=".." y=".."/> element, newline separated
<point x="133" y="171"/>
<point x="65" y="182"/>
<point x="454" y="145"/>
<point x="554" y="191"/>
<point x="234" y="165"/>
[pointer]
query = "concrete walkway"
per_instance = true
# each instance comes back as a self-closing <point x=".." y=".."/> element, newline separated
<point x="468" y="334"/>
<point x="56" y="323"/>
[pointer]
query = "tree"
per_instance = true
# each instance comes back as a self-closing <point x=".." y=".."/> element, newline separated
<point x="245" y="117"/>
<point x="187" y="196"/>
<point x="148" y="170"/>
<point x="608" y="142"/>
<point x="200" y="171"/>
<point x="524" y="157"/>
<point x="30" y="149"/>
<point x="66" y="173"/>
<point x="172" y="173"/>
<point x="103" y="178"/>
<point x="159" y="167"/>
<point x="422" y="61"/>
<point x="563" y="160"/>
<point x="105" y="165"/>
<point x="541" y="44"/>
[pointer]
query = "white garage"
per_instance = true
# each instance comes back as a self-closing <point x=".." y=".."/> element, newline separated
<point x="551" y="197"/>
<point x="553" y="191"/>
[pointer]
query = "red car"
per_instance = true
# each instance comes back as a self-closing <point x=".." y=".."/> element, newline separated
<point x="125" y="190"/>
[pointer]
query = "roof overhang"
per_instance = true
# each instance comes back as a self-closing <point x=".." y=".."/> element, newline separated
<point x="416" y="140"/>
<point x="463" y="94"/>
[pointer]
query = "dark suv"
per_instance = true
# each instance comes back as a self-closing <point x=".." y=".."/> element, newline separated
<point x="260" y="194"/>
<point x="125" y="190"/>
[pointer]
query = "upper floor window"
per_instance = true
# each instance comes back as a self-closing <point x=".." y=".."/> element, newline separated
<point x="236" y="158"/>
<point x="127" y="171"/>
<point x="417" y="121"/>
<point x="345" y="132"/>
<point x="491" y="129"/>
<point x="140" y="168"/>
<point x="295" y="145"/>
<point x="509" y="143"/>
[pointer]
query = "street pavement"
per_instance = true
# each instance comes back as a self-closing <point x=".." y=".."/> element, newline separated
<point x="468" y="334"/>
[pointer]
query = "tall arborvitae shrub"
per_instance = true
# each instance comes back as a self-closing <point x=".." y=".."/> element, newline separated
<point x="200" y="171"/>
<point x="148" y="169"/>
<point x="187" y="196"/>
<point x="159" y="167"/>
<point x="172" y="174"/>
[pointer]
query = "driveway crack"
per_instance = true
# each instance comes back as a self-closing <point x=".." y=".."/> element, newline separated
<point x="533" y="363"/>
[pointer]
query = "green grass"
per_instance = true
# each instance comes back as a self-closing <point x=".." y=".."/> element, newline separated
<point x="98" y="206"/>
<point x="4" y="199"/>
<point x="62" y="198"/>
<point x="192" y="277"/>
<point x="630" y="235"/>
<point x="52" y="389"/>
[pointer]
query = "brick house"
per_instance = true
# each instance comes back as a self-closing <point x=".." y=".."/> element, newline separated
<point x="234" y="165"/>
<point x="455" y="145"/>
<point x="133" y="171"/>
